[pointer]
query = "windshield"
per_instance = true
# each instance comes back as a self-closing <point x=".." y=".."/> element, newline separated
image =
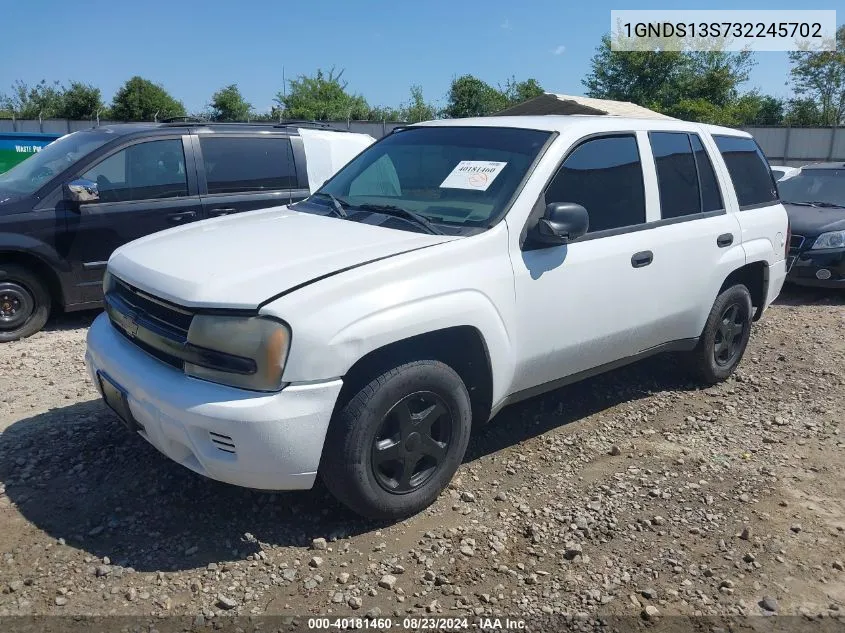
<point x="826" y="186"/>
<point x="460" y="176"/>
<point x="28" y="176"/>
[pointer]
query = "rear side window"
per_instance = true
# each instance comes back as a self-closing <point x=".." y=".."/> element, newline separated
<point x="685" y="175"/>
<point x="677" y="175"/>
<point x="605" y="176"/>
<point x="247" y="164"/>
<point x="749" y="170"/>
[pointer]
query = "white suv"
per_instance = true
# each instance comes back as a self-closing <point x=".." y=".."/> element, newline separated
<point x="450" y="269"/>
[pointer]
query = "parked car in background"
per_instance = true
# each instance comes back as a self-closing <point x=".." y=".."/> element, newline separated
<point x="780" y="172"/>
<point x="15" y="147"/>
<point x="450" y="269"/>
<point x="65" y="209"/>
<point x="815" y="201"/>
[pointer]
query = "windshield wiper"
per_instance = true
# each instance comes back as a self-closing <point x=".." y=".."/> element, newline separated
<point x="817" y="203"/>
<point x="405" y="214"/>
<point x="827" y="205"/>
<point x="337" y="207"/>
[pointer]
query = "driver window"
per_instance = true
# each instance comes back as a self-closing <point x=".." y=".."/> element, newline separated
<point x="145" y="171"/>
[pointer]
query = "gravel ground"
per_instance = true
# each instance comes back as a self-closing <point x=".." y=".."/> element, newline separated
<point x="632" y="494"/>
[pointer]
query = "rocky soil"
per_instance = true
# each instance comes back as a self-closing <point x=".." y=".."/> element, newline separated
<point x="635" y="494"/>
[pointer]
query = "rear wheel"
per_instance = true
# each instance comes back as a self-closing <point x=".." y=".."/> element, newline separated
<point x="725" y="336"/>
<point x="24" y="302"/>
<point x="396" y="444"/>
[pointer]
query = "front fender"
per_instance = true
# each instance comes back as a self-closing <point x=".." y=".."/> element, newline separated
<point x="21" y="243"/>
<point x="459" y="308"/>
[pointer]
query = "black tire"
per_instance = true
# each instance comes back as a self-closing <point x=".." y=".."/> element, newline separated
<point x="366" y="434"/>
<point x="725" y="336"/>
<point x="24" y="302"/>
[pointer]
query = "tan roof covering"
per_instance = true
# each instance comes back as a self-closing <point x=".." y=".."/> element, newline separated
<point x="551" y="103"/>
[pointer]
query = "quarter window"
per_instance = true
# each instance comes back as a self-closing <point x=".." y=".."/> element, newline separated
<point x="605" y="176"/>
<point x="241" y="164"/>
<point x="711" y="197"/>
<point x="144" y="171"/>
<point x="749" y="170"/>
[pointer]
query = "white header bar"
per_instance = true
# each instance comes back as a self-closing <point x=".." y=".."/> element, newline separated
<point x="726" y="30"/>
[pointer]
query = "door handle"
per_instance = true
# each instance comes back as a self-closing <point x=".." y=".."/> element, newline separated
<point x="176" y="218"/>
<point x="724" y="240"/>
<point x="643" y="258"/>
<point x="213" y="213"/>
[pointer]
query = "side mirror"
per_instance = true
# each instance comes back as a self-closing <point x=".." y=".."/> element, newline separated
<point x="81" y="191"/>
<point x="563" y="222"/>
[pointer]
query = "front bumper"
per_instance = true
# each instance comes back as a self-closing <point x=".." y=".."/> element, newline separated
<point x="271" y="441"/>
<point x="810" y="266"/>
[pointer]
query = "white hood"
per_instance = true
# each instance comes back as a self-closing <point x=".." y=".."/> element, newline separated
<point x="240" y="261"/>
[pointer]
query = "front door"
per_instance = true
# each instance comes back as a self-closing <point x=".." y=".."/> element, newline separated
<point x="143" y="188"/>
<point x="596" y="300"/>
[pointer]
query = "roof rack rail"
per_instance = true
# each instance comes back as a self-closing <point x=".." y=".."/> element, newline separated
<point x="183" y="119"/>
<point x="306" y="123"/>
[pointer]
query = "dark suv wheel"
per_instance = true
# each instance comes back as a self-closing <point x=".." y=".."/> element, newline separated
<point x="394" y="447"/>
<point x="24" y="302"/>
<point x="725" y="336"/>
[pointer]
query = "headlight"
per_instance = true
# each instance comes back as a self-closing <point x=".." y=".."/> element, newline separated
<point x="833" y="239"/>
<point x="245" y="352"/>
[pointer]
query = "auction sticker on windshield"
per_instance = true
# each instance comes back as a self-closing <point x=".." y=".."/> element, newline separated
<point x="473" y="174"/>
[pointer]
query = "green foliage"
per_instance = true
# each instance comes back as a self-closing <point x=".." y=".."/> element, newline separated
<point x="140" y="99"/>
<point x="820" y="76"/>
<point x="751" y="108"/>
<point x="81" y="101"/>
<point x="470" y="96"/>
<point x="227" y="104"/>
<point x="417" y="109"/>
<point x="321" y="97"/>
<point x="693" y="85"/>
<point x="42" y="100"/>
<point x="803" y="112"/>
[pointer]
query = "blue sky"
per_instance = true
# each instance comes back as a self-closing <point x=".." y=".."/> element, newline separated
<point x="384" y="47"/>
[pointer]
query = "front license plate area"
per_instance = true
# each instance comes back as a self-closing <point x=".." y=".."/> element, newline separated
<point x="117" y="400"/>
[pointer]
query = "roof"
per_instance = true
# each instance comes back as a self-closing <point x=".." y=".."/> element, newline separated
<point x="551" y="103"/>
<point x="586" y="124"/>
<point x="121" y="129"/>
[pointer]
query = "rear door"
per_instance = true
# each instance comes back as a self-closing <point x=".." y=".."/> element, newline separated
<point x="243" y="172"/>
<point x="144" y="186"/>
<point x="697" y="242"/>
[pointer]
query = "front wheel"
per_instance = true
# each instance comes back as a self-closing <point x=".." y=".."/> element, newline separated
<point x="394" y="447"/>
<point x="725" y="336"/>
<point x="24" y="303"/>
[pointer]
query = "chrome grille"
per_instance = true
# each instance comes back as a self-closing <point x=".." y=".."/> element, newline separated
<point x="156" y="326"/>
<point x="796" y="242"/>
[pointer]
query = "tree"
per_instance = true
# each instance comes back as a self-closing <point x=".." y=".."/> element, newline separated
<point x="80" y="101"/>
<point x="519" y="91"/>
<point x="227" y="104"/>
<point x="417" y="109"/>
<point x="140" y="99"/>
<point x="803" y="112"/>
<point x="820" y="76"/>
<point x="42" y="100"/>
<point x="703" y="82"/>
<point x="470" y="96"/>
<point x="321" y="97"/>
<point x="647" y="78"/>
